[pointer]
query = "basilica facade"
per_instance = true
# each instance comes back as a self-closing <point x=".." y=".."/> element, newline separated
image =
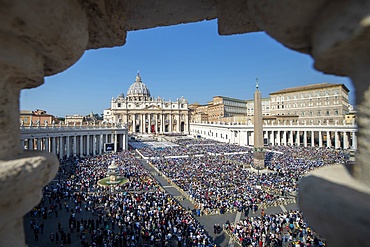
<point x="144" y="114"/>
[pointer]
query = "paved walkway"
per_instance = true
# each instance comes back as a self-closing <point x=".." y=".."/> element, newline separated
<point x="208" y="221"/>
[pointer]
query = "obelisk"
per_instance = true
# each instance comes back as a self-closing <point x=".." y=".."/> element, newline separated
<point x="258" y="153"/>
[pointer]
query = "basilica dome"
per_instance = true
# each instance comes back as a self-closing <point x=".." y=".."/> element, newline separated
<point x="138" y="88"/>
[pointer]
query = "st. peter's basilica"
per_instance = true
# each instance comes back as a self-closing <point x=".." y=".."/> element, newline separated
<point x="142" y="113"/>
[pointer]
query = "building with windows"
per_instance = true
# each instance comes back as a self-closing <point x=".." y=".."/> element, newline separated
<point x="27" y="117"/>
<point x="142" y="113"/>
<point x="313" y="104"/>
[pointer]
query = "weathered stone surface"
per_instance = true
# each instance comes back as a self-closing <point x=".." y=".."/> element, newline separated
<point x="142" y="14"/>
<point x="57" y="30"/>
<point x="21" y="181"/>
<point x="336" y="205"/>
<point x="288" y="21"/>
<point x="234" y="17"/>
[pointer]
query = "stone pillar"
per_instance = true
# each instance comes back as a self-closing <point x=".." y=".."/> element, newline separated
<point x="298" y="139"/>
<point x="278" y="137"/>
<point x="38" y="144"/>
<point x="305" y="138"/>
<point x="354" y="140"/>
<point x="101" y="145"/>
<point x="345" y="140"/>
<point x="74" y="146"/>
<point x="312" y="138"/>
<point x="94" y="144"/>
<point x="320" y="138"/>
<point x="162" y="123"/>
<point x="291" y="138"/>
<point x="30" y="144"/>
<point x="88" y="144"/>
<point x="47" y="146"/>
<point x="328" y="139"/>
<point x="81" y="145"/>
<point x="142" y="124"/>
<point x="115" y="142"/>
<point x="68" y="146"/>
<point x="284" y="138"/>
<point x="272" y="138"/>
<point x="53" y="145"/>
<point x="61" y="147"/>
<point x="170" y="128"/>
<point x="336" y="145"/>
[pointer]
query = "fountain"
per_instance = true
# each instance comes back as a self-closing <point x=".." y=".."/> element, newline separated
<point x="112" y="177"/>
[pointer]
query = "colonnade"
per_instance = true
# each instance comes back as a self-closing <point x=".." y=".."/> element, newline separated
<point x="344" y="136"/>
<point x="66" y="142"/>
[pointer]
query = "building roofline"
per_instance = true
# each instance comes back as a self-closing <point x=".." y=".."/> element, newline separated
<point x="310" y="87"/>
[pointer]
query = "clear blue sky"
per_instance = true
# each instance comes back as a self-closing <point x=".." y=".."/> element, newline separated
<point x="189" y="60"/>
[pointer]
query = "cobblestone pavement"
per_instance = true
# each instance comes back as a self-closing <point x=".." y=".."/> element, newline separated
<point x="52" y="220"/>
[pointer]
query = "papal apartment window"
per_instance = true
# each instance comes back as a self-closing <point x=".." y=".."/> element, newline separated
<point x="119" y="105"/>
<point x="327" y="113"/>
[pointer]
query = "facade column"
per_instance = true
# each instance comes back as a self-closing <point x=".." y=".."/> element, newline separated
<point x="305" y="138"/>
<point x="61" y="147"/>
<point x="81" y="145"/>
<point x="156" y="124"/>
<point x="47" y="146"/>
<point x="291" y="138"/>
<point x="101" y="145"/>
<point x="30" y="144"/>
<point x="74" y="146"/>
<point x="94" y="144"/>
<point x="298" y="139"/>
<point x="354" y="140"/>
<point x="170" y="123"/>
<point x="312" y="138"/>
<point x="150" y="124"/>
<point x="328" y="139"/>
<point x="87" y="144"/>
<point x="336" y="145"/>
<point x="38" y="143"/>
<point x="178" y="123"/>
<point x="142" y="124"/>
<point x="162" y="123"/>
<point x="278" y="137"/>
<point x="284" y="138"/>
<point x="115" y="142"/>
<point x="345" y="140"/>
<point x="68" y="145"/>
<point x="272" y="138"/>
<point x="53" y="145"/>
<point x="320" y="138"/>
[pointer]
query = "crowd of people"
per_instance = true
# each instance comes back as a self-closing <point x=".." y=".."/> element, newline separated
<point x="275" y="230"/>
<point x="140" y="213"/>
<point x="136" y="213"/>
<point x="220" y="182"/>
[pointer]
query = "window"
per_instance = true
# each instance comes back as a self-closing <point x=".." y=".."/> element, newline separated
<point x="318" y="113"/>
<point x="327" y="113"/>
<point x="119" y="105"/>
<point x="336" y="112"/>
<point x="310" y="113"/>
<point x="302" y="114"/>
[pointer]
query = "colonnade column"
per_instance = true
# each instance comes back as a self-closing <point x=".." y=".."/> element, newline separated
<point x="336" y="142"/>
<point x="345" y="140"/>
<point x="272" y="140"/>
<point x="178" y="123"/>
<point x="150" y="123"/>
<point x="101" y="143"/>
<point x="93" y="144"/>
<point x="38" y="142"/>
<point x="305" y="138"/>
<point x="312" y="138"/>
<point x="278" y="138"/>
<point x="142" y="124"/>
<point x="354" y="140"/>
<point x="156" y="124"/>
<point x="298" y="139"/>
<point x="81" y="145"/>
<point x="284" y="138"/>
<point x="291" y="138"/>
<point x="170" y="123"/>
<point x="68" y="145"/>
<point x="320" y="139"/>
<point x="47" y="148"/>
<point x="328" y="139"/>
<point x="115" y="142"/>
<point x="30" y="144"/>
<point x="87" y="144"/>
<point x="53" y="145"/>
<point x="61" y="147"/>
<point x="74" y="145"/>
